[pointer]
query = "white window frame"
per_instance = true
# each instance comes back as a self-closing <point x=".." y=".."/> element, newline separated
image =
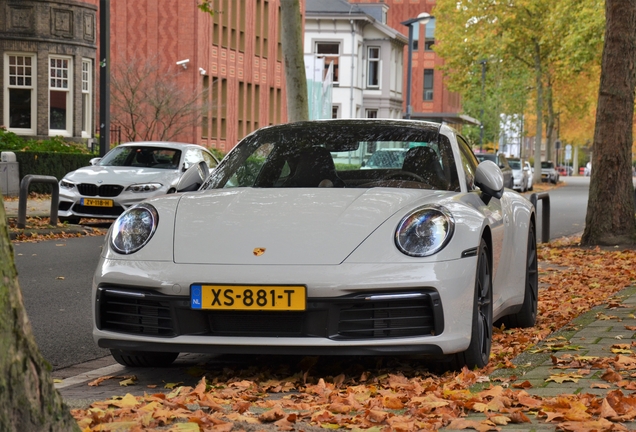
<point x="87" y="98"/>
<point x="374" y="62"/>
<point x="33" y="87"/>
<point x="328" y="56"/>
<point x="59" y="82"/>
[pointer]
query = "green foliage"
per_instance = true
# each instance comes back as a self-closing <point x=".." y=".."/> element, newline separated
<point x="518" y="39"/>
<point x="206" y="6"/>
<point x="50" y="164"/>
<point x="218" y="153"/>
<point x="9" y="141"/>
<point x="347" y="167"/>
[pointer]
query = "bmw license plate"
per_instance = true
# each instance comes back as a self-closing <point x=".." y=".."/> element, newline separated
<point x="94" y="202"/>
<point x="258" y="298"/>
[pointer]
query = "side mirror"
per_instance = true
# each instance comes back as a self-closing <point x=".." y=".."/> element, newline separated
<point x="193" y="177"/>
<point x="94" y="161"/>
<point x="489" y="179"/>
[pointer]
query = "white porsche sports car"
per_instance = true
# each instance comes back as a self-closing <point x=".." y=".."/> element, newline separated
<point x="125" y="176"/>
<point x="288" y="247"/>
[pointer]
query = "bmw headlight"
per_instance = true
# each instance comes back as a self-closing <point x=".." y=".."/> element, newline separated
<point x="66" y="184"/>
<point x="144" y="187"/>
<point x="134" y="228"/>
<point x="425" y="231"/>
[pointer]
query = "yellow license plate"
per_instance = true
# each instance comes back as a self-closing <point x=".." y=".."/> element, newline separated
<point x="93" y="202"/>
<point x="257" y="298"/>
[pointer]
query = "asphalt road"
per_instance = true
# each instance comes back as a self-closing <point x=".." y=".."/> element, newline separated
<point x="55" y="277"/>
<point x="568" y="205"/>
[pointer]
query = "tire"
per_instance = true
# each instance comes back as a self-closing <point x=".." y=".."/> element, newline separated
<point x="478" y="352"/>
<point x="527" y="316"/>
<point x="143" y="359"/>
<point x="73" y="220"/>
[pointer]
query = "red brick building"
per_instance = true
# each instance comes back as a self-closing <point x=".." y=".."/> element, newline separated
<point x="232" y="59"/>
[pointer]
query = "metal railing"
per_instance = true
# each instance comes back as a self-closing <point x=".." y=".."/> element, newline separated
<point x="545" y="213"/>
<point x="24" y="193"/>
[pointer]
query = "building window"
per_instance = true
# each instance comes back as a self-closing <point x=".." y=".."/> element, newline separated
<point x="60" y="97"/>
<point x="372" y="113"/>
<point x="428" y="84"/>
<point x="373" y="71"/>
<point x="19" y="85"/>
<point x="87" y="98"/>
<point x="416" y="37"/>
<point x="334" y="111"/>
<point x="429" y="40"/>
<point x="330" y="51"/>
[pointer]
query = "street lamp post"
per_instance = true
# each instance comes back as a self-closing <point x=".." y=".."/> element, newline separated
<point x="422" y="18"/>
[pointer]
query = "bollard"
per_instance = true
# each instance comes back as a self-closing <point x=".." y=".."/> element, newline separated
<point x="24" y="193"/>
<point x="545" y="214"/>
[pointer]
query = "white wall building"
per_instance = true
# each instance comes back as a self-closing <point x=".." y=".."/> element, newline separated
<point x="367" y="57"/>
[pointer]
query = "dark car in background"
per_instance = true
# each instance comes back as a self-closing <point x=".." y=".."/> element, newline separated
<point x="502" y="162"/>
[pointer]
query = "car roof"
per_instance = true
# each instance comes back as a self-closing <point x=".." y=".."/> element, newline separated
<point x="165" y="144"/>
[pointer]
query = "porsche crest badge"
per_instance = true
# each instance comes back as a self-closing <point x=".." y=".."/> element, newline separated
<point x="258" y="251"/>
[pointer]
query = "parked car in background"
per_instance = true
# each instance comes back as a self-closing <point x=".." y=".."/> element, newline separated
<point x="549" y="172"/>
<point x="125" y="176"/>
<point x="528" y="168"/>
<point x="520" y="174"/>
<point x="279" y="252"/>
<point x="502" y="162"/>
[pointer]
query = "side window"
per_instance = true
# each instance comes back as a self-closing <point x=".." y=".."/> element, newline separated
<point x="192" y="156"/>
<point x="209" y="160"/>
<point x="469" y="162"/>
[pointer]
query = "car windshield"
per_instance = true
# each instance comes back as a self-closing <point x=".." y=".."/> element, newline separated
<point x="548" y="165"/>
<point x="140" y="156"/>
<point x="338" y="154"/>
<point x="514" y="164"/>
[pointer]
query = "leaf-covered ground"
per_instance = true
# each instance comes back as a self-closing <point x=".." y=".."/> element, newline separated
<point x="402" y="394"/>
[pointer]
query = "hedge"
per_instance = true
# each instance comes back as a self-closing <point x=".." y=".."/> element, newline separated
<point x="50" y="164"/>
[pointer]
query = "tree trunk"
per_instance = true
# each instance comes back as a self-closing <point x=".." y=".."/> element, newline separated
<point x="28" y="399"/>
<point x="610" y="209"/>
<point x="296" y="80"/>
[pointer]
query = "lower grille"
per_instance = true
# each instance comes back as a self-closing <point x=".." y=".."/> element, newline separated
<point x="387" y="319"/>
<point x="255" y="324"/>
<point x="133" y="314"/>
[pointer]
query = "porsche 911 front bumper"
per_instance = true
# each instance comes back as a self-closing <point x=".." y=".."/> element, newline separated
<point x="351" y="309"/>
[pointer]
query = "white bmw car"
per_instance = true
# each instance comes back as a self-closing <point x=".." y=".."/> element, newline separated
<point x="125" y="176"/>
<point x="288" y="247"/>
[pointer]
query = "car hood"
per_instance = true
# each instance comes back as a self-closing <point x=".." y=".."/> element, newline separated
<point x="289" y="226"/>
<point x="122" y="175"/>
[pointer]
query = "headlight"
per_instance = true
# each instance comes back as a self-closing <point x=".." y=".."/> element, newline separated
<point x="66" y="185"/>
<point x="144" y="187"/>
<point x="424" y="232"/>
<point x="134" y="228"/>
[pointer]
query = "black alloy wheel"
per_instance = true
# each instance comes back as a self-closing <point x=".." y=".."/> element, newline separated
<point x="478" y="352"/>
